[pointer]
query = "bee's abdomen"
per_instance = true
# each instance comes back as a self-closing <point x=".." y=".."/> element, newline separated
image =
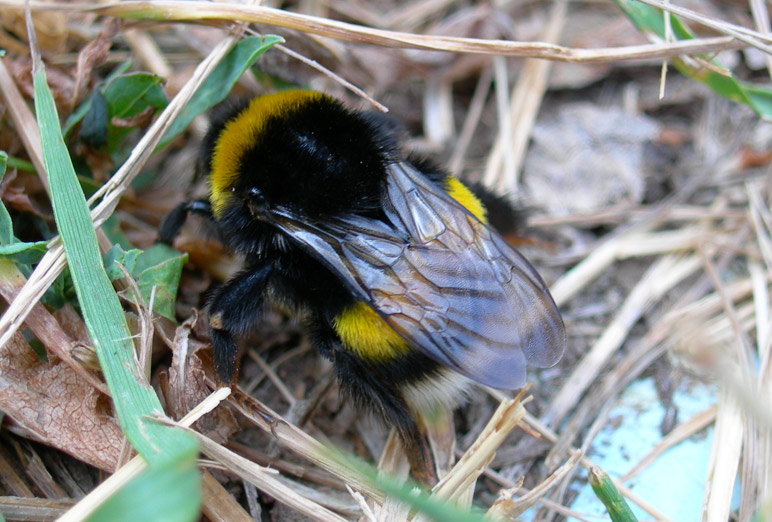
<point x="363" y="331"/>
<point x="373" y="349"/>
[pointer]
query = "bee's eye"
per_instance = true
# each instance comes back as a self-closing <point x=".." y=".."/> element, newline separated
<point x="256" y="202"/>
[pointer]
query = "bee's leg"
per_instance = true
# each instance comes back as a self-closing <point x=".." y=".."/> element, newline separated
<point x="376" y="392"/>
<point x="233" y="311"/>
<point x="173" y="222"/>
<point x="419" y="454"/>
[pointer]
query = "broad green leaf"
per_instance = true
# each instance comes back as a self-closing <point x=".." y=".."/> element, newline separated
<point x="10" y="247"/>
<point x="129" y="94"/>
<point x="217" y="86"/>
<point x="761" y="98"/>
<point x="84" y="107"/>
<point x="160" y="267"/>
<point x="118" y="256"/>
<point x="24" y="253"/>
<point x="93" y="130"/>
<point x="122" y="95"/>
<point x="77" y="115"/>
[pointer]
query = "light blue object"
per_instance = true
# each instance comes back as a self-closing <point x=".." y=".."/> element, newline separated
<point x="674" y="483"/>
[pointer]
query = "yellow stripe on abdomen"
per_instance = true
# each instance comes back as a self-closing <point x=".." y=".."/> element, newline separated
<point x="363" y="331"/>
<point x="461" y="193"/>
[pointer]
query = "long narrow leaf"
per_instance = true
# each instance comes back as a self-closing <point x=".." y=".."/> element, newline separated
<point x="101" y="308"/>
<point x="650" y="20"/>
<point x="608" y="493"/>
<point x="135" y="402"/>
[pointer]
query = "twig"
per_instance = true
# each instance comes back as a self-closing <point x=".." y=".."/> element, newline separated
<point x="182" y="11"/>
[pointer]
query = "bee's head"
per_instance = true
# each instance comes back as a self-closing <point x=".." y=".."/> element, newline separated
<point x="298" y="150"/>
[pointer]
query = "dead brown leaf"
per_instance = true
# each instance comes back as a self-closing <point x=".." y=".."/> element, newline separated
<point x="60" y="82"/>
<point x="55" y="406"/>
<point x="141" y="119"/>
<point x="18" y="198"/>
<point x="18" y="190"/>
<point x="93" y="55"/>
<point x="750" y="158"/>
<point x="51" y="30"/>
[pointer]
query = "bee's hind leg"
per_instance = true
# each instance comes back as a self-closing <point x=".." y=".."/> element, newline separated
<point x="419" y="454"/>
<point x="377" y="393"/>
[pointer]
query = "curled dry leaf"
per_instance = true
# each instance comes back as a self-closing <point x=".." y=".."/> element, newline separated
<point x="82" y="348"/>
<point x="72" y="324"/>
<point x="142" y="119"/>
<point x="57" y="407"/>
<point x="186" y="387"/>
<point x="60" y="82"/>
<point x="91" y="56"/>
<point x="22" y="191"/>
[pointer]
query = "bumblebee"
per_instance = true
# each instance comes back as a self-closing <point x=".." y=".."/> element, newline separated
<point x="390" y="264"/>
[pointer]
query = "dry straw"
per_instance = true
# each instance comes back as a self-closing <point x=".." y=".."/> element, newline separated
<point x="688" y="245"/>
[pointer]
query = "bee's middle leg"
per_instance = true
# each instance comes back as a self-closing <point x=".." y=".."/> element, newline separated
<point x="233" y="312"/>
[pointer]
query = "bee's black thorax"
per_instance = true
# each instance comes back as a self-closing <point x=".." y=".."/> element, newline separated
<point x="314" y="157"/>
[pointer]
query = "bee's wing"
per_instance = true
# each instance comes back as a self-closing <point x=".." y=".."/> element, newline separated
<point x="445" y="282"/>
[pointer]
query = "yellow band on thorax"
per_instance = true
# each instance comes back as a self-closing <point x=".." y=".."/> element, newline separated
<point x="241" y="133"/>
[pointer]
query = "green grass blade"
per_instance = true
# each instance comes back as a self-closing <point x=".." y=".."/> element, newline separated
<point x="135" y="402"/>
<point x="439" y="510"/>
<point x="651" y="20"/>
<point x="163" y="494"/>
<point x="20" y="164"/>
<point x="6" y="226"/>
<point x="608" y="493"/>
<point x="101" y="309"/>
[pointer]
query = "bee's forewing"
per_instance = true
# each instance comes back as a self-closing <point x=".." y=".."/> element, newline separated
<point x="448" y="284"/>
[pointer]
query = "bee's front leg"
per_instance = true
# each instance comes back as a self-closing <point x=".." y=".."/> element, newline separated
<point x="173" y="222"/>
<point x="233" y="311"/>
